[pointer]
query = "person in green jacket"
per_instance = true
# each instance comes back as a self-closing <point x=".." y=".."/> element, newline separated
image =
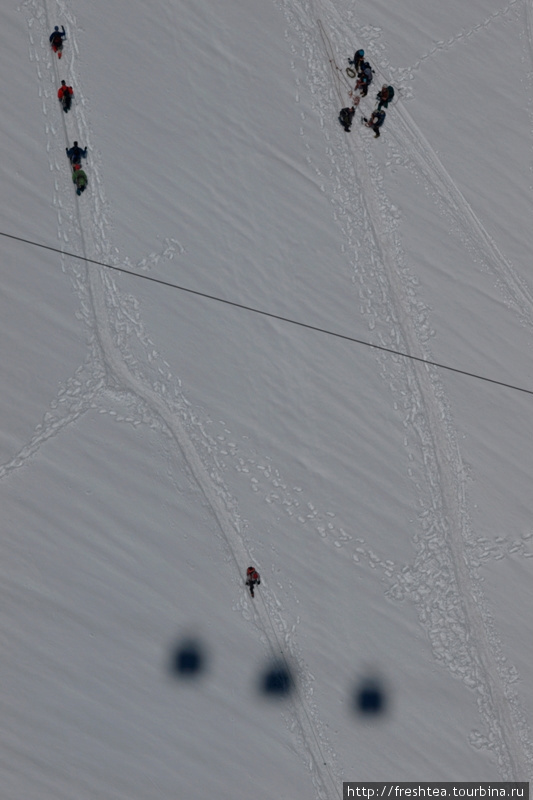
<point x="385" y="96"/>
<point x="79" y="178"/>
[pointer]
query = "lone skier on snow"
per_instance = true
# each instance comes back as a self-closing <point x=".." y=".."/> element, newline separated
<point x="56" y="39"/>
<point x="252" y="579"/>
<point x="65" y="94"/>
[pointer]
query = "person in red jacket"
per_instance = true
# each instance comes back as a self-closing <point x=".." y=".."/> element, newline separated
<point x="65" y="94"/>
<point x="252" y="579"/>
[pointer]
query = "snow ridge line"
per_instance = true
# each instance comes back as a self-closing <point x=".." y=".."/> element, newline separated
<point x="443" y="565"/>
<point x="104" y="310"/>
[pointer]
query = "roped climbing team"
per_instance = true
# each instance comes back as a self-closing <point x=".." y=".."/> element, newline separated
<point x="65" y="94"/>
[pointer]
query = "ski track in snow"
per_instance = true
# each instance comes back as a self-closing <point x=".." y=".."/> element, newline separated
<point x="123" y="364"/>
<point x="443" y="581"/>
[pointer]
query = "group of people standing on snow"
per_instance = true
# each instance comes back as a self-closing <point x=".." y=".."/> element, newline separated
<point x="65" y="94"/>
<point x="365" y="76"/>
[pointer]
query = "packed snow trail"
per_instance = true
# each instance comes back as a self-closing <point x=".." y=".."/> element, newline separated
<point x="458" y="625"/>
<point x="115" y="331"/>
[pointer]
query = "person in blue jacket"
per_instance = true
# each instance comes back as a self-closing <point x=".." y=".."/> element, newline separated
<point x="364" y="78"/>
<point x="76" y="153"/>
<point x="375" y="122"/>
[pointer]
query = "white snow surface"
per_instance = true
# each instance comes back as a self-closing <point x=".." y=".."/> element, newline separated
<point x="154" y="443"/>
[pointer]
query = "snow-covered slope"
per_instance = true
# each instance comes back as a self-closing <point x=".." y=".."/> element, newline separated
<point x="154" y="443"/>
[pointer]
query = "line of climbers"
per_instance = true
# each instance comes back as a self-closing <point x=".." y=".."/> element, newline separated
<point x="365" y="76"/>
<point x="65" y="94"/>
<point x="75" y="154"/>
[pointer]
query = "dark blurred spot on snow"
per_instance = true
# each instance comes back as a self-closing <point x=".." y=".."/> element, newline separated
<point x="276" y="681"/>
<point x="187" y="659"/>
<point x="370" y="698"/>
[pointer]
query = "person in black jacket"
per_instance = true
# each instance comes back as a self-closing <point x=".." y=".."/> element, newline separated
<point x="56" y="40"/>
<point x="346" y="118"/>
